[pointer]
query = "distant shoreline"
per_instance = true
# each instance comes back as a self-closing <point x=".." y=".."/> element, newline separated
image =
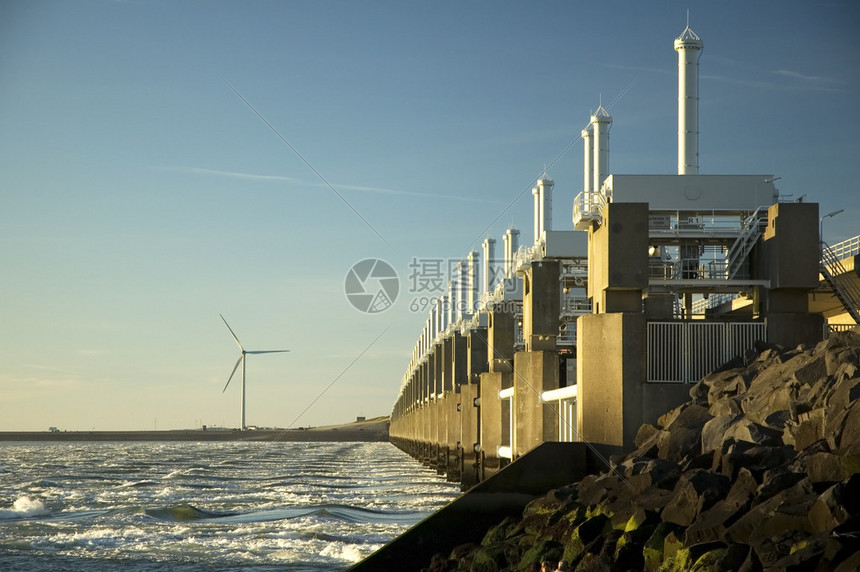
<point x="372" y="430"/>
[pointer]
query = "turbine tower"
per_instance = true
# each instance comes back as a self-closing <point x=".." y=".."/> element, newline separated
<point x="242" y="361"/>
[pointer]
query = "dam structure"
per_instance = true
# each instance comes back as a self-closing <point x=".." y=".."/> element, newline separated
<point x="583" y="335"/>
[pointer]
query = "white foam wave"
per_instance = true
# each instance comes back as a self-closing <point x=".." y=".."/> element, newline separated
<point x="25" y="507"/>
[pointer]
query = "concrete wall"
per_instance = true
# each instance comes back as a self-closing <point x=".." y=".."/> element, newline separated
<point x="618" y="258"/>
<point x="500" y="341"/>
<point x="790" y="260"/>
<point x="476" y="354"/>
<point x="541" y="300"/>
<point x="611" y="377"/>
<point x="536" y="422"/>
<point x="791" y="246"/>
<point x="491" y="420"/>
<point x="452" y="436"/>
<point x="468" y="435"/>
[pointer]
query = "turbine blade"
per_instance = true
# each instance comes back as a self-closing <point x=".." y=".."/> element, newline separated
<point x="267" y="352"/>
<point x="238" y="343"/>
<point x="235" y="367"/>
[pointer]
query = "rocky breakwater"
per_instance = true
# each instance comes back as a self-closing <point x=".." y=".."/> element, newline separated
<point x="759" y="471"/>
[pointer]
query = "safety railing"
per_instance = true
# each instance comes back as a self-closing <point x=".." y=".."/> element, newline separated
<point x="506" y="449"/>
<point x="833" y="328"/>
<point x="843" y="287"/>
<point x="575" y="305"/>
<point x="587" y="207"/>
<point x="567" y="334"/>
<point x="846" y="248"/>
<point x="751" y="232"/>
<point x="564" y="398"/>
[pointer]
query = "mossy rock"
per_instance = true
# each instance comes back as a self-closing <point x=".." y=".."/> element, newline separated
<point x="594" y="563"/>
<point x="655" y="545"/>
<point x="640" y="518"/>
<point x="502" y="531"/>
<point x="489" y="559"/>
<point x="637" y="537"/>
<point x="545" y="549"/>
<point x="697" y="558"/>
<point x="540" y="516"/>
<point x="709" y="560"/>
<point x="463" y="555"/>
<point x="585" y="534"/>
<point x="568" y="518"/>
<point x="628" y="556"/>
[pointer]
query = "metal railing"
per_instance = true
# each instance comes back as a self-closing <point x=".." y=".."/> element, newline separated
<point x="751" y="232"/>
<point x="587" y="207"/>
<point x="565" y="399"/>
<point x="833" y="328"/>
<point x="506" y="449"/>
<point x="567" y="334"/>
<point x="575" y="305"/>
<point x="687" y="351"/>
<point x="846" y="248"/>
<point x="842" y="285"/>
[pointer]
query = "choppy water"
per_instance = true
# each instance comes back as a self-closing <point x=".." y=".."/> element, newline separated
<point x="207" y="506"/>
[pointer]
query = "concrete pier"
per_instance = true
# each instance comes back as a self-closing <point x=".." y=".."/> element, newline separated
<point x="666" y="278"/>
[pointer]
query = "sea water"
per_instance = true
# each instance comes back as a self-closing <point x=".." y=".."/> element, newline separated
<point x="207" y="506"/>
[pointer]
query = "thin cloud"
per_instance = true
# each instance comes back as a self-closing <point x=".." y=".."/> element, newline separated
<point x="293" y="180"/>
<point x="649" y="70"/>
<point x="797" y="75"/>
<point x="91" y="352"/>
<point x="770" y="85"/>
<point x="813" y="83"/>
<point x="229" y="174"/>
<point x="384" y="191"/>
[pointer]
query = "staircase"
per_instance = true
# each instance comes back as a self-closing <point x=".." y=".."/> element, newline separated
<point x="750" y="233"/>
<point x="840" y="283"/>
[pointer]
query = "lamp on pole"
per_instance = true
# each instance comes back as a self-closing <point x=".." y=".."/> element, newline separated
<point x="821" y="223"/>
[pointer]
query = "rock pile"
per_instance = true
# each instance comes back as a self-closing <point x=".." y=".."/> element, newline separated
<point x="759" y="471"/>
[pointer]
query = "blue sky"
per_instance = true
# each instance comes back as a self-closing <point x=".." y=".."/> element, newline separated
<point x="140" y="196"/>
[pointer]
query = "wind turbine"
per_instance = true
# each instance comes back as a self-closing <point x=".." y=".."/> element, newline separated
<point x="242" y="361"/>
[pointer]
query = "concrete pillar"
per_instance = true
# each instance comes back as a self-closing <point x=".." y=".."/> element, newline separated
<point x="459" y="377"/>
<point x="459" y="361"/>
<point x="500" y="341"/>
<point x="491" y="420"/>
<point x="536" y="422"/>
<point x="447" y="371"/>
<point x="469" y="475"/>
<point x="452" y="436"/>
<point x="476" y="354"/>
<point x="790" y="259"/>
<point x="610" y="377"/>
<point x="470" y="412"/>
<point x="541" y="301"/>
<point x="437" y="378"/>
<point x="618" y="258"/>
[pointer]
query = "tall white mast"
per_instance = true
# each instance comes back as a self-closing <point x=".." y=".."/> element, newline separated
<point x="689" y="48"/>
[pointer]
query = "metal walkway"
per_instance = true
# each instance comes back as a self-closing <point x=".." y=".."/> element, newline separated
<point x="840" y="282"/>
